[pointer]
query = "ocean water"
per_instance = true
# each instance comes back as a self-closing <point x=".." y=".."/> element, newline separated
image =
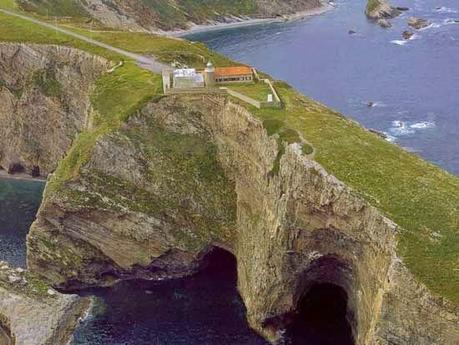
<point x="19" y="202"/>
<point x="414" y="84"/>
<point x="205" y="309"/>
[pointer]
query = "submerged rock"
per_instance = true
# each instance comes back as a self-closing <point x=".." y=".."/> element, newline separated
<point x="418" y="23"/>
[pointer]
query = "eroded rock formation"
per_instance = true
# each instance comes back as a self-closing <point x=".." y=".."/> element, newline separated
<point x="189" y="173"/>
<point x="44" y="97"/>
<point x="381" y="11"/>
<point x="30" y="314"/>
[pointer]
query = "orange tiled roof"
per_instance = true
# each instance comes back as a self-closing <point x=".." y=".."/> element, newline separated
<point x="232" y="71"/>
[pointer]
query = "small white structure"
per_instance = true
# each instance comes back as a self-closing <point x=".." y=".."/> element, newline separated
<point x="270" y="98"/>
<point x="209" y="74"/>
<point x="187" y="78"/>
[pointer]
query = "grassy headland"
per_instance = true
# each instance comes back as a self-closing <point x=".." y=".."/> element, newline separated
<point x="422" y="198"/>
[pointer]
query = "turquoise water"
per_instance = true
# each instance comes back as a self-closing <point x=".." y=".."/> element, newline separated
<point x="19" y="202"/>
<point x="414" y="84"/>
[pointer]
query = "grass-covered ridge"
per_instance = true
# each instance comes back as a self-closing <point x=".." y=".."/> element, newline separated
<point x="420" y="197"/>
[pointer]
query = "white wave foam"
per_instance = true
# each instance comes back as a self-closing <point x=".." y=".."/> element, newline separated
<point x="431" y="26"/>
<point x="390" y="138"/>
<point x="423" y="125"/>
<point x="450" y="21"/>
<point x="400" y="128"/>
<point x="399" y="42"/>
<point x="444" y="9"/>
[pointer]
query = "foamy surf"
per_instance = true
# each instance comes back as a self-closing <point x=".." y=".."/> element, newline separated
<point x="423" y="125"/>
<point x="399" y="42"/>
<point x="390" y="138"/>
<point x="444" y="9"/>
<point x="400" y="128"/>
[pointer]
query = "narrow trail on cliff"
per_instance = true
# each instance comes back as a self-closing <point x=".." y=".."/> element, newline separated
<point x="148" y="63"/>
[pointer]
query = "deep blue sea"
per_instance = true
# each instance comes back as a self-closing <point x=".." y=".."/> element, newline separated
<point x="414" y="84"/>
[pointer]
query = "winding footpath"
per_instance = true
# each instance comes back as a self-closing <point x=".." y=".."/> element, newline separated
<point x="148" y="63"/>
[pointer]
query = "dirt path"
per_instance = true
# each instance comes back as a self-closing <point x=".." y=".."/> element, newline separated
<point x="145" y="62"/>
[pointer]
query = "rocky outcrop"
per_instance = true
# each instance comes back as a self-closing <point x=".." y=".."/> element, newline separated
<point x="381" y="10"/>
<point x="44" y="93"/>
<point x="418" y="23"/>
<point x="189" y="173"/>
<point x="33" y="314"/>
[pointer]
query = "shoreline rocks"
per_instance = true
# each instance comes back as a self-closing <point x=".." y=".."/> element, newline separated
<point x="30" y="315"/>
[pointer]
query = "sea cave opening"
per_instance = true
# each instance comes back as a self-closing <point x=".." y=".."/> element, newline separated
<point x="325" y="312"/>
<point x="322" y="317"/>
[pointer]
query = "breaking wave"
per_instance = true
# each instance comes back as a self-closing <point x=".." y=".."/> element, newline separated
<point x="399" y="42"/>
<point x="423" y="125"/>
<point x="444" y="9"/>
<point x="402" y="128"/>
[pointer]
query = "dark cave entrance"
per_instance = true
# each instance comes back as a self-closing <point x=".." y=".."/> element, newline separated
<point x="325" y="307"/>
<point x="322" y="317"/>
<point x="220" y="264"/>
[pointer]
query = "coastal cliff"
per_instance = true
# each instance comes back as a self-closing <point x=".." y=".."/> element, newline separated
<point x="153" y="183"/>
<point x="189" y="173"/>
<point x="44" y="93"/>
<point x="167" y="15"/>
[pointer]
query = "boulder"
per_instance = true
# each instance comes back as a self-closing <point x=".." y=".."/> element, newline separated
<point x="418" y="23"/>
<point x="407" y="34"/>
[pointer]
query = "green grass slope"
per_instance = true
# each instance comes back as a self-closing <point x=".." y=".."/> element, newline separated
<point x="422" y="198"/>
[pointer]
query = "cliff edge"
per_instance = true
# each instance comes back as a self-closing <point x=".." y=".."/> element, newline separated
<point x="189" y="173"/>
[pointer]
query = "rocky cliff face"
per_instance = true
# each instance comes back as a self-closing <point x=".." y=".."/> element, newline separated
<point x="190" y="173"/>
<point x="170" y="15"/>
<point x="44" y="93"/>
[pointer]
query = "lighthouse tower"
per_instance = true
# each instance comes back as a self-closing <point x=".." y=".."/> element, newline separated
<point x="209" y="75"/>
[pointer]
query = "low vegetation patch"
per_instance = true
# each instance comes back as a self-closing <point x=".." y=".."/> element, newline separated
<point x="58" y="8"/>
<point x="46" y="81"/>
<point x="259" y="91"/>
<point x="372" y="5"/>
